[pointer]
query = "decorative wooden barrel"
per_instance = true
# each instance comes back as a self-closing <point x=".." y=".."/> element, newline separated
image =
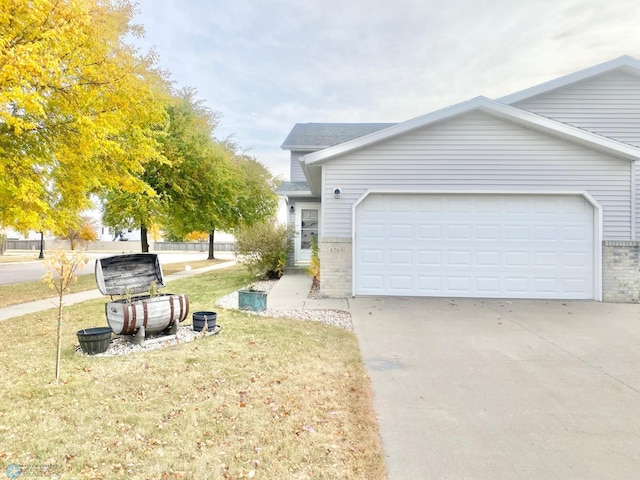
<point x="137" y="273"/>
<point x="153" y="313"/>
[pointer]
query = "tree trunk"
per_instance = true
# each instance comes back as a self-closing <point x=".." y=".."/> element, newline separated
<point x="211" y="257"/>
<point x="59" y="334"/>
<point x="143" y="238"/>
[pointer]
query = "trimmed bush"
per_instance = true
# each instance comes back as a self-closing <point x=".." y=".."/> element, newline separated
<point x="263" y="248"/>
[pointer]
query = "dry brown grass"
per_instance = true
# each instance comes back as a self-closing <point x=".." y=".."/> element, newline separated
<point x="30" y="291"/>
<point x="266" y="399"/>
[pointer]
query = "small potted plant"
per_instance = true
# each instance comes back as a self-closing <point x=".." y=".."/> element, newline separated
<point x="252" y="299"/>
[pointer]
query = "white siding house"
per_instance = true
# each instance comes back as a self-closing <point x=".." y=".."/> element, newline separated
<point x="531" y="196"/>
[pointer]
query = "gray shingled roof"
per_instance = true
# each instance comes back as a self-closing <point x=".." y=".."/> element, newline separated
<point x="316" y="136"/>
<point x="293" y="187"/>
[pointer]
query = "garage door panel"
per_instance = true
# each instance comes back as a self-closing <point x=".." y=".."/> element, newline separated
<point x="518" y="286"/>
<point x="400" y="283"/>
<point x="546" y="233"/>
<point x="458" y="232"/>
<point x="429" y="284"/>
<point x="401" y="257"/>
<point x="401" y="205"/>
<point x="373" y="282"/>
<point x="575" y="233"/>
<point x="516" y="232"/>
<point x="488" y="285"/>
<point x="458" y="258"/>
<point x="487" y="233"/>
<point x="459" y="284"/>
<point x="578" y="260"/>
<point x="575" y="285"/>
<point x="400" y="232"/>
<point x="429" y="204"/>
<point x="488" y="258"/>
<point x="429" y="232"/>
<point x="458" y="204"/>
<point x="372" y="231"/>
<point x="475" y="245"/>
<point x="516" y="259"/>
<point x="545" y="285"/>
<point x="546" y="205"/>
<point x="373" y="258"/>
<point x="429" y="258"/>
<point x="545" y="259"/>
<point x="518" y="205"/>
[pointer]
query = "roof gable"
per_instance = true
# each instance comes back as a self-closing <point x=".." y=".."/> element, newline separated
<point x="625" y="63"/>
<point x="491" y="107"/>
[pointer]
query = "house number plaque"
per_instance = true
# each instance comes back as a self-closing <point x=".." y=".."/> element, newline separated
<point x="336" y="250"/>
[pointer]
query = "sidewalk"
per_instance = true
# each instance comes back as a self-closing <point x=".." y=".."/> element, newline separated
<point x="292" y="290"/>
<point x="290" y="293"/>
<point x="40" y="305"/>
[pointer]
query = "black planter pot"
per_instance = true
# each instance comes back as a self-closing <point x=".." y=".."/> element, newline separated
<point x="200" y="318"/>
<point x="94" y="340"/>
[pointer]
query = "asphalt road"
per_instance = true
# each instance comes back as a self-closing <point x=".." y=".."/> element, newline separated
<point x="30" y="271"/>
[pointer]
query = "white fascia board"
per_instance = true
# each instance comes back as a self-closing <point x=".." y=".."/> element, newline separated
<point x="300" y="148"/>
<point x="491" y="107"/>
<point x="627" y="63"/>
<point x="561" y="130"/>
<point x="315" y="184"/>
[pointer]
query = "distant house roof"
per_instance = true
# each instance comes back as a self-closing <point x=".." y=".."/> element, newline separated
<point x="316" y="136"/>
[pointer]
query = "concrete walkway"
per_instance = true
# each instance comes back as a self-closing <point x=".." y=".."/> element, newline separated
<point x="39" y="305"/>
<point x="292" y="291"/>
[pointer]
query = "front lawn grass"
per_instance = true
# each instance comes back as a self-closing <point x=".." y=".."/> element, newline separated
<point x="24" y="292"/>
<point x="266" y="399"/>
<point x="27" y="257"/>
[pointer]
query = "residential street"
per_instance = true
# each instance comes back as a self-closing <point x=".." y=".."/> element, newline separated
<point x="31" y="271"/>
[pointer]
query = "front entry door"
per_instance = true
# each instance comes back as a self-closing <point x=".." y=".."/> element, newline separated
<point x="307" y="227"/>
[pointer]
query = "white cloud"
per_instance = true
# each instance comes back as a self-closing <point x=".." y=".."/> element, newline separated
<point x="266" y="65"/>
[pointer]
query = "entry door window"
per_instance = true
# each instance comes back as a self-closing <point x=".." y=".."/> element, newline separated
<point x="308" y="227"/>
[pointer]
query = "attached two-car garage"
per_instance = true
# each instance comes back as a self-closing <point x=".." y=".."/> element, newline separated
<point x="476" y="245"/>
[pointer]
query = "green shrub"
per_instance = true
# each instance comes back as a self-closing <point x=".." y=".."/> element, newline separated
<point x="263" y="248"/>
<point x="314" y="266"/>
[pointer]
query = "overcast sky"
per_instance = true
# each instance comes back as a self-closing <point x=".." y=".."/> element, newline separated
<point x="268" y="64"/>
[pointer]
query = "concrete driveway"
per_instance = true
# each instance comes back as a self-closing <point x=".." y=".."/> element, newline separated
<point x="489" y="389"/>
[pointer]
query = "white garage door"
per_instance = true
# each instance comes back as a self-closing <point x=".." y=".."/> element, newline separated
<point x="496" y="246"/>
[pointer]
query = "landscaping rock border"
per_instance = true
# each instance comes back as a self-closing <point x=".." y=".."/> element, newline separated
<point x="338" y="318"/>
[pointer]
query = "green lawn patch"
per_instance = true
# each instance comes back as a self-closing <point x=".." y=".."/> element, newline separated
<point x="266" y="398"/>
<point x="31" y="291"/>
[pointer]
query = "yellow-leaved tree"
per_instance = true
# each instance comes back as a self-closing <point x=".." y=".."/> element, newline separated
<point x="78" y="108"/>
<point x="61" y="274"/>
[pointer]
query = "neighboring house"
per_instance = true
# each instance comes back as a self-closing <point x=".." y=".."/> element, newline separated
<point x="533" y="195"/>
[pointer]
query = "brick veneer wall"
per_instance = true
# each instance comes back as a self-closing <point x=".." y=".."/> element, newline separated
<point x="335" y="267"/>
<point x="620" y="271"/>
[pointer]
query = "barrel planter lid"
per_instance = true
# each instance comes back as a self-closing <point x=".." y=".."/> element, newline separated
<point x="132" y="272"/>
